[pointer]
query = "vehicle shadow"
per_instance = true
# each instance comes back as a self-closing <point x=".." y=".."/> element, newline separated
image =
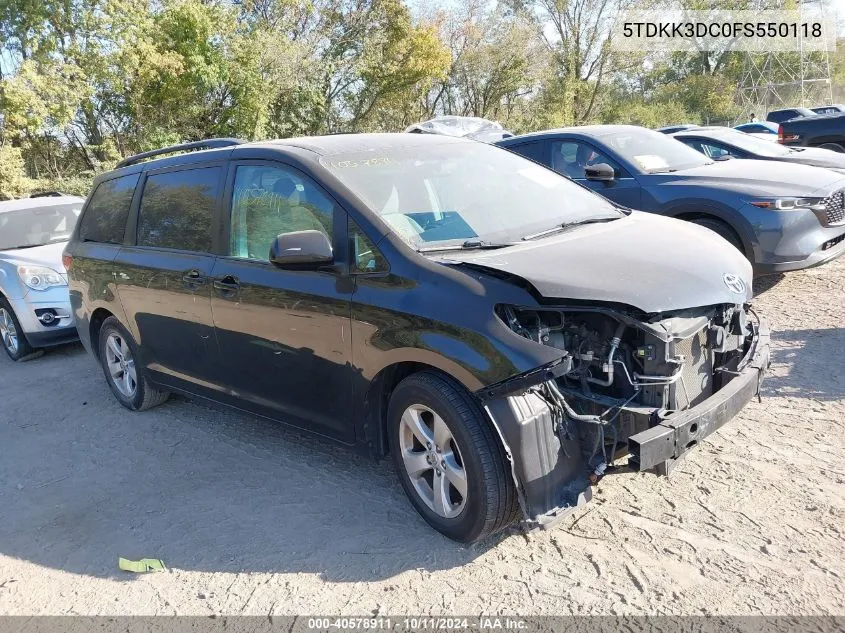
<point x="83" y="481"/>
<point x="807" y="364"/>
<point x="763" y="284"/>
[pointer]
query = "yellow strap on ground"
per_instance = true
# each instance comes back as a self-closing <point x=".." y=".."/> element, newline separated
<point x="141" y="566"/>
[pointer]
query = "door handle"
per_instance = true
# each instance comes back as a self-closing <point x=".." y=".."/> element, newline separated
<point x="194" y="278"/>
<point x="227" y="284"/>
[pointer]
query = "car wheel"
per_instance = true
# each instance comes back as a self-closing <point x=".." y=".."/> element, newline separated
<point x="118" y="354"/>
<point x="450" y="462"/>
<point x="719" y="227"/>
<point x="836" y="147"/>
<point x="12" y="336"/>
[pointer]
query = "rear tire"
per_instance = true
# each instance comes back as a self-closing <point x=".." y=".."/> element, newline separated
<point x="721" y="229"/>
<point x="834" y="147"/>
<point x="463" y="453"/>
<point x="128" y="382"/>
<point x="12" y="337"/>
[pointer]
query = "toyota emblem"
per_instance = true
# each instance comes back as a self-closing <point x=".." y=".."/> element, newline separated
<point x="734" y="283"/>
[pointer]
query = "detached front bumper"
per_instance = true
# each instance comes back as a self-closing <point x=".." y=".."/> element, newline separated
<point x="659" y="448"/>
<point x="547" y="465"/>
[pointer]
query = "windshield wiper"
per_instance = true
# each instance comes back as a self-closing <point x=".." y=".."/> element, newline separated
<point x="466" y="246"/>
<point x="567" y="225"/>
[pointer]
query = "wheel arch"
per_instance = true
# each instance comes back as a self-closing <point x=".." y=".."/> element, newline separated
<point x="691" y="215"/>
<point x="95" y="324"/>
<point x="377" y="399"/>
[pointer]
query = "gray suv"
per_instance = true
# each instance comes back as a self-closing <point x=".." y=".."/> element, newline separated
<point x="781" y="216"/>
<point x="34" y="305"/>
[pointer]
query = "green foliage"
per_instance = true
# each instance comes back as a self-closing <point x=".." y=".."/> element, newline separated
<point x="86" y="82"/>
<point x="13" y="182"/>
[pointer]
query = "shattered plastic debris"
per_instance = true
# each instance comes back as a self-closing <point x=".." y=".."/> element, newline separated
<point x="141" y="566"/>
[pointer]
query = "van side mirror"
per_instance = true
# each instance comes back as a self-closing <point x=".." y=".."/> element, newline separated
<point x="601" y="172"/>
<point x="301" y="249"/>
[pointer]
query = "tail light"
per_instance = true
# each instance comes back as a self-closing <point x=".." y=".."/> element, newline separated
<point x="67" y="261"/>
<point x="783" y="137"/>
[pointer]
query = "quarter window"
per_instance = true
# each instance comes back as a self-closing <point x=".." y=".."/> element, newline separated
<point x="177" y="209"/>
<point x="268" y="201"/>
<point x="105" y="218"/>
<point x="366" y="258"/>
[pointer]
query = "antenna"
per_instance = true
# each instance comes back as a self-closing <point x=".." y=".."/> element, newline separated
<point x="787" y="79"/>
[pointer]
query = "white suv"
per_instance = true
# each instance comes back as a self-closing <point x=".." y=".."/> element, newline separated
<point x="34" y="304"/>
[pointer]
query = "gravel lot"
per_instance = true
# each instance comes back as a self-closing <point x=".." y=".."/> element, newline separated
<point x="255" y="518"/>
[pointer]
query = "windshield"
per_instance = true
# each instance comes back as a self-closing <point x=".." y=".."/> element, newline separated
<point x="759" y="146"/>
<point x="652" y="151"/>
<point x="458" y="191"/>
<point x="37" y="226"/>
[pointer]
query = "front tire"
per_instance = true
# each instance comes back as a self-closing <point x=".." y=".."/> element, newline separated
<point x="448" y="459"/>
<point x="721" y="229"/>
<point x="118" y="354"/>
<point x="12" y="337"/>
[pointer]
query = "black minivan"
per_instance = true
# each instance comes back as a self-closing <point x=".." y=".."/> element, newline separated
<point x="504" y="334"/>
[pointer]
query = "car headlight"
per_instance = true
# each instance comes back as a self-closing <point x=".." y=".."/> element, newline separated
<point x="787" y="204"/>
<point x="40" y="277"/>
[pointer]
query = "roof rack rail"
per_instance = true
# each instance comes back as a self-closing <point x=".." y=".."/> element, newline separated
<point x="211" y="143"/>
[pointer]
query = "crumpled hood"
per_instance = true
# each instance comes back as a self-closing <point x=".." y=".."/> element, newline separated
<point x="765" y="178"/>
<point x="49" y="255"/>
<point x="650" y="262"/>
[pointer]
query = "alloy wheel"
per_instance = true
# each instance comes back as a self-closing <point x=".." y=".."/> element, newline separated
<point x="121" y="365"/>
<point x="433" y="461"/>
<point x="8" y="331"/>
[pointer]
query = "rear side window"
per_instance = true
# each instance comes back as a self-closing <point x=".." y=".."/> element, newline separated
<point x="177" y="209"/>
<point x="536" y="151"/>
<point x="105" y="218"/>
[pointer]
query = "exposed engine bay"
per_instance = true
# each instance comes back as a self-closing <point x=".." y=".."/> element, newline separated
<point x="622" y="375"/>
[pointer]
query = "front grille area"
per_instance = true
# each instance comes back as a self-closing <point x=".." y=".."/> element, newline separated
<point x="835" y="204"/>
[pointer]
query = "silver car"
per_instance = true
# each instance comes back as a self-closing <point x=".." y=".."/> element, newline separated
<point x="34" y="305"/>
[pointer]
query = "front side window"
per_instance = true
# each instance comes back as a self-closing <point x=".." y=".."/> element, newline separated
<point x="571" y="158"/>
<point x="105" y="217"/>
<point x="177" y="209"/>
<point x="450" y="191"/>
<point x="37" y="224"/>
<point x="714" y="151"/>
<point x="270" y="200"/>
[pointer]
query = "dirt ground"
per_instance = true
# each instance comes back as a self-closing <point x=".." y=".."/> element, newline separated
<point x="254" y="518"/>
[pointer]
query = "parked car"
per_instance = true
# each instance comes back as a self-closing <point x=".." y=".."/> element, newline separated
<point x="432" y="298"/>
<point x="671" y="129"/>
<point x="761" y="129"/>
<point x="834" y="108"/>
<point x="720" y="143"/>
<point x="825" y="131"/>
<point x="782" y="217"/>
<point x="779" y="116"/>
<point x="34" y="307"/>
